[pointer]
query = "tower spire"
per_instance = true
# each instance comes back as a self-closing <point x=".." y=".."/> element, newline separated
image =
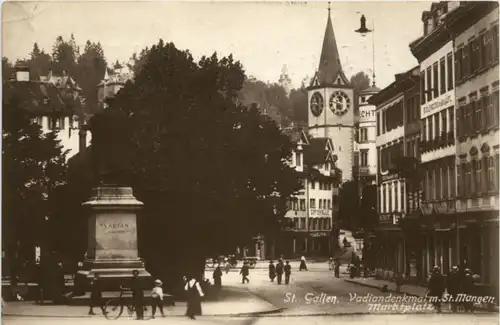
<point x="329" y="64"/>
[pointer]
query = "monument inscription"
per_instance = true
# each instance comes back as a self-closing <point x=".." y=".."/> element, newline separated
<point x="116" y="236"/>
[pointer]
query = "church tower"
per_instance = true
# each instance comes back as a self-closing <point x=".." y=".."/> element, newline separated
<point x="331" y="104"/>
<point x="285" y="80"/>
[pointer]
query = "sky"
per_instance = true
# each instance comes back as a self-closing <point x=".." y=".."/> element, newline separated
<point x="263" y="36"/>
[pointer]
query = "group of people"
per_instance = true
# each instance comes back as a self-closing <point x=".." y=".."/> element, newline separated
<point x="334" y="265"/>
<point x="277" y="271"/>
<point x="457" y="282"/>
<point x="192" y="287"/>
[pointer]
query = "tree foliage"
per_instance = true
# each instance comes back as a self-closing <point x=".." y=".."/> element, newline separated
<point x="7" y="70"/>
<point x="33" y="167"/>
<point x="211" y="172"/>
<point x="91" y="66"/>
<point x="360" y="81"/>
<point x="65" y="55"/>
<point x="39" y="63"/>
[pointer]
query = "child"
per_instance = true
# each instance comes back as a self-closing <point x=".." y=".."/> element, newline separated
<point x="157" y="295"/>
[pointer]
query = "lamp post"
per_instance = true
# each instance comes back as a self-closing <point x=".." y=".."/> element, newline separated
<point x="363" y="31"/>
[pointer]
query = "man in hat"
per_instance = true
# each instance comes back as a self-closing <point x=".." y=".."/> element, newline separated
<point x="245" y="271"/>
<point x="436" y="288"/>
<point x="157" y="295"/>
<point x="137" y="294"/>
<point x="453" y="282"/>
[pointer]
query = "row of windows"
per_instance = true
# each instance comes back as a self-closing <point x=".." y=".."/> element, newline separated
<point x="438" y="124"/>
<point x="314" y="223"/>
<point x="388" y="156"/>
<point x="477" y="55"/>
<point x="300" y="205"/>
<point x="55" y="123"/>
<point x="412" y="148"/>
<point x="478" y="176"/>
<point x="437" y="79"/>
<point x="480" y="115"/>
<point x="412" y="110"/>
<point x="392" y="192"/>
<point x="439" y="179"/>
<point x="323" y="186"/>
<point x="390" y="118"/>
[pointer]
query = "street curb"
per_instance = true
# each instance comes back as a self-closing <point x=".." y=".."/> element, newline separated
<point x="254" y="314"/>
<point x="411" y="294"/>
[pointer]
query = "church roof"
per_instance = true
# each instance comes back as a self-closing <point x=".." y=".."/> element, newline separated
<point x="329" y="64"/>
<point x="316" y="153"/>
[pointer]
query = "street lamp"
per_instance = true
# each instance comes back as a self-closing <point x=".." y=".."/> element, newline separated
<point x="363" y="31"/>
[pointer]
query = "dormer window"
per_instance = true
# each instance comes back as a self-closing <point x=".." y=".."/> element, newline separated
<point x="299" y="159"/>
<point x="363" y="99"/>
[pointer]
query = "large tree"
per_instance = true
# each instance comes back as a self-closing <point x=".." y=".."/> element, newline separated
<point x="90" y="71"/>
<point x="65" y="55"/>
<point x="39" y="63"/>
<point x="360" y="81"/>
<point x="7" y="70"/>
<point x="33" y="167"/>
<point x="211" y="172"/>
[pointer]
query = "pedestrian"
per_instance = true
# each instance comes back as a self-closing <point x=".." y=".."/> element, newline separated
<point x="245" y="271"/>
<point x="337" y="268"/>
<point x="399" y="281"/>
<point x="436" y="288"/>
<point x="39" y="280"/>
<point x="453" y="284"/>
<point x="330" y="264"/>
<point x="96" y="295"/>
<point x="194" y="295"/>
<point x="157" y="295"/>
<point x="288" y="272"/>
<point x="468" y="289"/>
<point x="217" y="275"/>
<point x="58" y="283"/>
<point x="137" y="294"/>
<point x="303" y="266"/>
<point x="227" y="265"/>
<point x="272" y="271"/>
<point x="279" y="272"/>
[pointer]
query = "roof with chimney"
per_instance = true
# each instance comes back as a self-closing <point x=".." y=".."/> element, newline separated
<point x="64" y="81"/>
<point x="330" y="69"/>
<point x="42" y="98"/>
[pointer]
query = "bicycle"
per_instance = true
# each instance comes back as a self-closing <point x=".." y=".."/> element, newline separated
<point x="114" y="307"/>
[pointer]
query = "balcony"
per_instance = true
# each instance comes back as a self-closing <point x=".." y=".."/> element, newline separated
<point x="443" y="141"/>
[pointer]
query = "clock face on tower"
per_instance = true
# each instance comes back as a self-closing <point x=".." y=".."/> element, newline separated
<point x="316" y="104"/>
<point x="339" y="103"/>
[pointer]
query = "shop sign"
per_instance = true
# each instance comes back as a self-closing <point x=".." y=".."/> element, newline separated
<point x="437" y="105"/>
<point x="319" y="234"/>
<point x="385" y="218"/>
<point x="322" y="213"/>
<point x="366" y="115"/>
<point x="389" y="177"/>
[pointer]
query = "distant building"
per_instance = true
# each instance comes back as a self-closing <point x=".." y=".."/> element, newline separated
<point x="312" y="212"/>
<point x="285" y="80"/>
<point x="54" y="102"/>
<point x="111" y="84"/>
<point x="366" y="134"/>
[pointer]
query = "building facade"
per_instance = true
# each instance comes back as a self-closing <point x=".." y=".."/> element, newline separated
<point x="332" y="109"/>
<point x="474" y="27"/>
<point x="392" y="103"/>
<point x="312" y="211"/>
<point x="434" y="52"/>
<point x="55" y="104"/>
<point x="366" y="133"/>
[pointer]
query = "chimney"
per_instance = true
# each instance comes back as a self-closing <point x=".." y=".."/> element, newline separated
<point x="82" y="140"/>
<point x="22" y="73"/>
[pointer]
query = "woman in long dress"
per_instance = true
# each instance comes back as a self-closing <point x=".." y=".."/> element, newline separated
<point x="194" y="295"/>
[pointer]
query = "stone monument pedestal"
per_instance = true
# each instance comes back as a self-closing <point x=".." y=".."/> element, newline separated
<point x="112" y="237"/>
